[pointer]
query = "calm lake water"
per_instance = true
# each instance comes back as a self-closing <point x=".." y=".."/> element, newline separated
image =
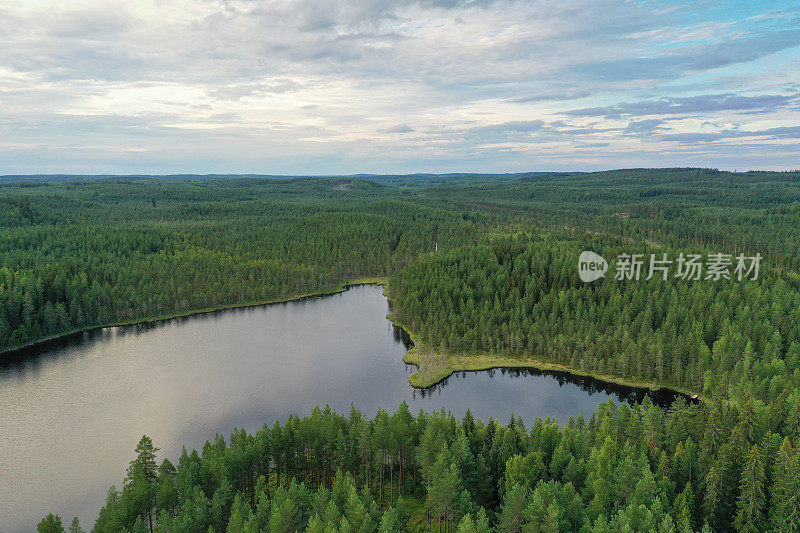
<point x="72" y="412"/>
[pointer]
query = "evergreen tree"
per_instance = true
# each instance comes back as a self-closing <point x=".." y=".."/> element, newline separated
<point x="482" y="521"/>
<point x="466" y="525"/>
<point x="390" y="522"/>
<point x="140" y="482"/>
<point x="139" y="526"/>
<point x="512" y="514"/>
<point x="752" y="497"/>
<point x="75" y="526"/>
<point x="51" y="524"/>
<point x="445" y="490"/>
<point x="785" y="500"/>
<point x="241" y="519"/>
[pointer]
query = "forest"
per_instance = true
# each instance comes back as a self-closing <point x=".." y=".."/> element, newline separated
<point x="93" y="253"/>
<point x="520" y="297"/>
<point x="77" y="254"/>
<point x="710" y="467"/>
<point x="476" y="267"/>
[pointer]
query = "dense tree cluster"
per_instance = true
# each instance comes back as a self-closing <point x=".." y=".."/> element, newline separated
<point x="720" y="466"/>
<point x="96" y="253"/>
<point x="522" y="297"/>
<point x="82" y="253"/>
<point x="681" y="207"/>
<point x="477" y="266"/>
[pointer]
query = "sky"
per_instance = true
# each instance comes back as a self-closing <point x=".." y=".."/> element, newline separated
<point x="396" y="86"/>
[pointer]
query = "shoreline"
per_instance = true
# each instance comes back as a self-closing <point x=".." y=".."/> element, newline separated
<point x="458" y="362"/>
<point x="366" y="280"/>
<point x="425" y="378"/>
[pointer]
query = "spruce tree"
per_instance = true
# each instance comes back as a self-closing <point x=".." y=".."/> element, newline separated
<point x="752" y="496"/>
<point x="51" y="524"/>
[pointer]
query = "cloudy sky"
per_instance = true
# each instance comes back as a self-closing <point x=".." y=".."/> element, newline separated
<point x="329" y="86"/>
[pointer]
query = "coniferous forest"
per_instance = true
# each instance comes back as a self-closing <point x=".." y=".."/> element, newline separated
<point x="476" y="267"/>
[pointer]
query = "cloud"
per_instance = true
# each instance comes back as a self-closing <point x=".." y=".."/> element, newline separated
<point x="514" y="126"/>
<point x="400" y="128"/>
<point x="696" y="58"/>
<point x="316" y="86"/>
<point x="562" y="94"/>
<point x="644" y="126"/>
<point x="242" y="90"/>
<point x="701" y="104"/>
<point x="789" y="132"/>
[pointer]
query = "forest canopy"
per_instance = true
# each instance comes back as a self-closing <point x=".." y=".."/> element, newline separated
<point x="475" y="267"/>
<point x="82" y="253"/>
<point x="722" y="467"/>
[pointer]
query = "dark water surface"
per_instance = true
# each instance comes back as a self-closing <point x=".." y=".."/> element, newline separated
<point x="72" y="412"/>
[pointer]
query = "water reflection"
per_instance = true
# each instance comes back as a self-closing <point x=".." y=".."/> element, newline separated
<point x="662" y="397"/>
<point x="72" y="410"/>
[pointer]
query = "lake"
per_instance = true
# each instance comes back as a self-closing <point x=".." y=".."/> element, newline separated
<point x="72" y="411"/>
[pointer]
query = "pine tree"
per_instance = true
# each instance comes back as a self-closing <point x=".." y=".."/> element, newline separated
<point x="445" y="490"/>
<point x="167" y="496"/>
<point x="482" y="521"/>
<point x="75" y="526"/>
<point x="722" y="483"/>
<point x="785" y="500"/>
<point x="539" y="516"/>
<point x="139" y="526"/>
<point x="390" y="522"/>
<point x="667" y="525"/>
<point x="221" y="504"/>
<point x="683" y="508"/>
<point x="402" y="514"/>
<point x="51" y="524"/>
<point x="466" y="525"/>
<point x="112" y="515"/>
<point x="525" y="470"/>
<point x="752" y="497"/>
<point x="140" y="482"/>
<point x="241" y="516"/>
<point x="315" y="525"/>
<point x="284" y="515"/>
<point x="512" y="514"/>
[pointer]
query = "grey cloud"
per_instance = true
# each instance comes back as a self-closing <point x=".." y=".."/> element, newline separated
<point x="691" y="138"/>
<point x="400" y="128"/>
<point x="243" y="41"/>
<point x="565" y="94"/>
<point x="517" y="126"/>
<point x="533" y="131"/>
<point x="688" y="105"/>
<point x="788" y="132"/>
<point x="643" y="126"/>
<point x="356" y="15"/>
